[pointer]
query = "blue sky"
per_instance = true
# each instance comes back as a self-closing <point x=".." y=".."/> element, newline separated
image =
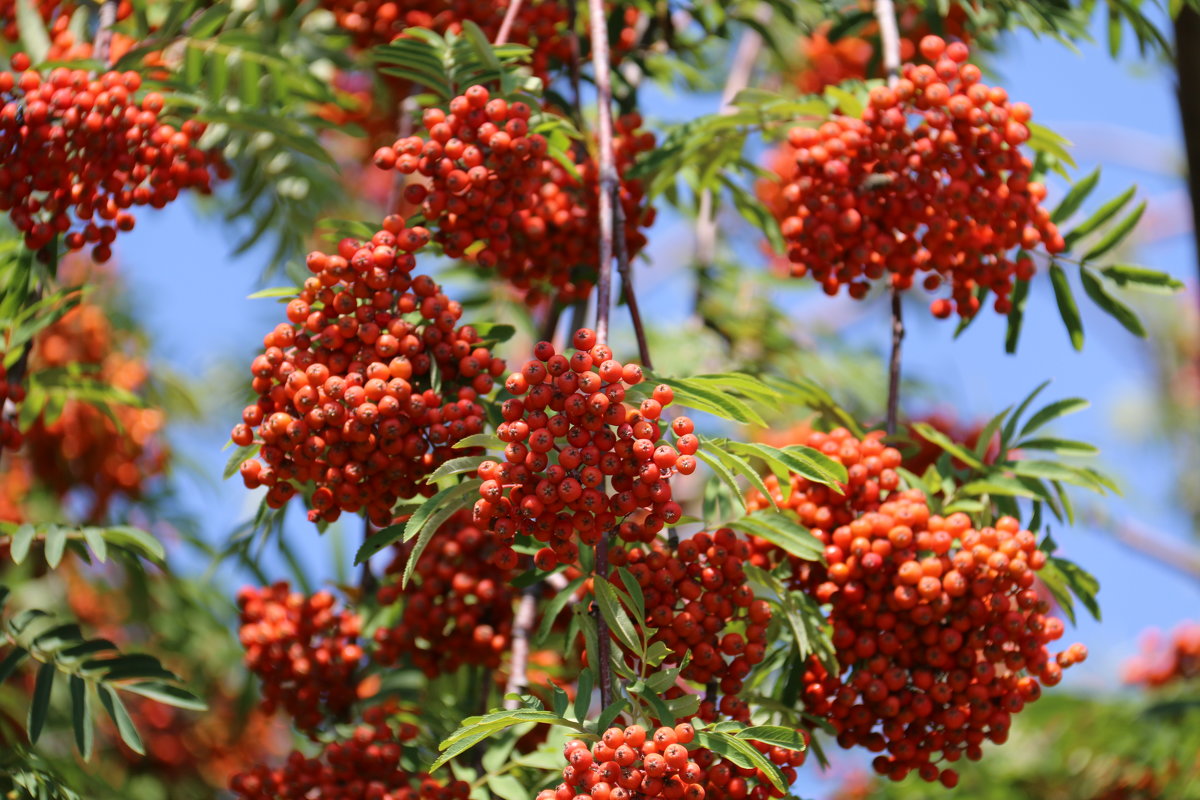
<point x="191" y="295"/>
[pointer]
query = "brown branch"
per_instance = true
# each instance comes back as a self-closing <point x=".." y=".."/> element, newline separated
<point x="1173" y="557"/>
<point x="893" y="398"/>
<point x="609" y="182"/>
<point x="518" y="678"/>
<point x="367" y="584"/>
<point x="510" y="16"/>
<point x="550" y="323"/>
<point x="603" y="644"/>
<point x="404" y="128"/>
<point x="889" y="38"/>
<point x="102" y="44"/>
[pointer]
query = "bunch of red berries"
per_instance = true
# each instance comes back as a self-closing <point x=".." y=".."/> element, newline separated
<point x="458" y="607"/>
<point x="628" y="763"/>
<point x="366" y="391"/>
<point x="367" y="765"/>
<point x="11" y="394"/>
<point x="693" y="597"/>
<point x="871" y="470"/>
<point x="940" y="635"/>
<point x="572" y="410"/>
<point x="553" y="249"/>
<point x="950" y="197"/>
<point x="304" y="650"/>
<point x="78" y="148"/>
<point x="1162" y="663"/>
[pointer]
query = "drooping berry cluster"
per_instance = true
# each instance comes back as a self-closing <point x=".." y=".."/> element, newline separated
<point x="553" y="248"/>
<point x="950" y="198"/>
<point x="11" y="395"/>
<point x="305" y="651"/>
<point x="940" y="635"/>
<point x="80" y="151"/>
<point x="458" y="607"/>
<point x="573" y="410"/>
<point x="871" y="470"/>
<point x="366" y="765"/>
<point x="1162" y="663"/>
<point x="704" y="610"/>
<point x="627" y="763"/>
<point x="368" y="387"/>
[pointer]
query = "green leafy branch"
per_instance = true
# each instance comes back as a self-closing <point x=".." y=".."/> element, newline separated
<point x="93" y="668"/>
<point x="85" y="541"/>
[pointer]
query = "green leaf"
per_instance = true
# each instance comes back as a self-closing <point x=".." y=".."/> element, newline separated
<point x="15" y="656"/>
<point x="553" y="608"/>
<point x="81" y="717"/>
<point x="1058" y="408"/>
<point x="275" y="293"/>
<point x="742" y="753"/>
<point x="1010" y="427"/>
<point x="782" y="530"/>
<point x="777" y="735"/>
<point x="616" y="617"/>
<point x="1102" y="215"/>
<point x="1075" y="197"/>
<point x="56" y="543"/>
<point x="810" y="463"/>
<point x="723" y="474"/>
<point x="507" y="787"/>
<point x="933" y="435"/>
<point x="21" y="541"/>
<point x="236" y="458"/>
<point x="424" y="526"/>
<point x="456" y="466"/>
<point x="95" y="540"/>
<point x="120" y="717"/>
<point x="1116" y="234"/>
<point x="1016" y="315"/>
<point x="1062" y="447"/>
<point x="997" y="485"/>
<point x="1081" y="583"/>
<point x="1128" y="276"/>
<point x="488" y="441"/>
<point x="167" y="694"/>
<point x="609" y="714"/>
<point x="699" y="396"/>
<point x="136" y="539"/>
<point x="583" y="695"/>
<point x="1113" y="307"/>
<point x="1067" y="308"/>
<point x="740" y="466"/>
<point x="35" y="40"/>
<point x="39" y="706"/>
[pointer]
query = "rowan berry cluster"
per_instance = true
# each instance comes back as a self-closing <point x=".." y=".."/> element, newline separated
<point x="11" y="395"/>
<point x="366" y="389"/>
<point x="950" y="197"/>
<point x="630" y="763"/>
<point x="366" y="765"/>
<point x="1161" y="663"/>
<point x="458" y="607"/>
<point x="81" y="151"/>
<point x="84" y="450"/>
<point x="573" y="410"/>
<point x="704" y="610"/>
<point x="491" y="181"/>
<point x="871" y="471"/>
<point x="552" y="241"/>
<point x="305" y="651"/>
<point x="940" y="635"/>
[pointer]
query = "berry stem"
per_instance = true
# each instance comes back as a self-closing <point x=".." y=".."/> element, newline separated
<point x="889" y="37"/>
<point x="518" y="679"/>
<point x="510" y="16"/>
<point x="602" y="639"/>
<point x="105" y="19"/>
<point x="893" y="399"/>
<point x="609" y="183"/>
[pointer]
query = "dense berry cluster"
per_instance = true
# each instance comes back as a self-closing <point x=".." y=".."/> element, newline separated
<point x="11" y="395"/>
<point x="371" y="384"/>
<point x="305" y="651"/>
<point x="458" y="607"/>
<point x="491" y="193"/>
<point x="553" y="249"/>
<point x="567" y="430"/>
<point x="704" y="610"/>
<point x="940" y="635"/>
<point x="871" y="471"/>
<point x="80" y="151"/>
<point x="631" y="763"/>
<point x="366" y="765"/>
<point x="84" y="450"/>
<point x="950" y="197"/>
<point x="1161" y="663"/>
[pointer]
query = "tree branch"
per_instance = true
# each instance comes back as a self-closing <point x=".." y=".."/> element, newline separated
<point x="1187" y="65"/>
<point x="518" y="675"/>
<point x="609" y="182"/>
<point x="635" y="315"/>
<point x="1173" y="557"/>
<point x="105" y="19"/>
<point x="510" y="16"/>
<point x="889" y="37"/>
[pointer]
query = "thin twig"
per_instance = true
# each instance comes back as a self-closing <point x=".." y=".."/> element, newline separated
<point x="367" y="584"/>
<point x="105" y="19"/>
<point x="1173" y="557"/>
<point x="510" y="16"/>
<point x="889" y="37"/>
<point x="576" y="80"/>
<point x="623" y="267"/>
<point x="609" y="182"/>
<point x="518" y="675"/>
<point x="550" y="324"/>
<point x="602" y="640"/>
